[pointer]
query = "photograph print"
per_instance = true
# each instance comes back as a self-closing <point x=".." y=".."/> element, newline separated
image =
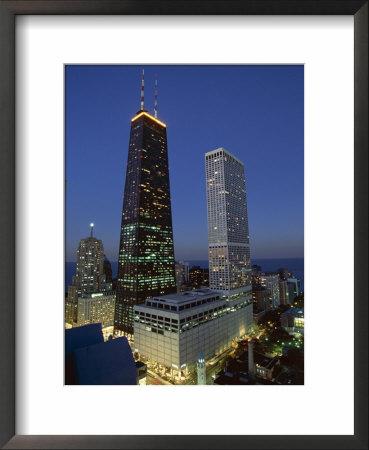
<point x="184" y="225"/>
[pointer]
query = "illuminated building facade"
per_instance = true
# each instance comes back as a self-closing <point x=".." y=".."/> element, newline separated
<point x="271" y="284"/>
<point x="172" y="329"/>
<point x="146" y="266"/>
<point x="198" y="276"/>
<point x="90" y="265"/>
<point x="292" y="321"/>
<point x="228" y="231"/>
<point x="97" y="307"/>
<point x="88" y="285"/>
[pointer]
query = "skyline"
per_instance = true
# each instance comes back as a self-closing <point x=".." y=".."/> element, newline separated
<point x="261" y="124"/>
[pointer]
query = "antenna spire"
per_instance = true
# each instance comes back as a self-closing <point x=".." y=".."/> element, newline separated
<point x="142" y="89"/>
<point x="156" y="97"/>
<point x="92" y="230"/>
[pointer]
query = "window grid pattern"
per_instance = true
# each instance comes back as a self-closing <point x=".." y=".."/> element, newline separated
<point x="175" y="338"/>
<point x="146" y="255"/>
<point x="228" y="230"/>
<point x="90" y="265"/>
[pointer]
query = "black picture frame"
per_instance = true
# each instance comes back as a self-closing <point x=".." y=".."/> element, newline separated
<point x="8" y="12"/>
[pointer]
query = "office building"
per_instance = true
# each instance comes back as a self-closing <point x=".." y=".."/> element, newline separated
<point x="283" y="292"/>
<point x="294" y="288"/>
<point x="293" y="320"/>
<point x="90" y="297"/>
<point x="182" y="275"/>
<point x="271" y="283"/>
<point x="90" y="265"/>
<point x="172" y="329"/>
<point x="97" y="307"/>
<point x="250" y="368"/>
<point x="91" y="361"/>
<point x="146" y="265"/>
<point x="198" y="277"/>
<point x="228" y="232"/>
<point x="185" y="267"/>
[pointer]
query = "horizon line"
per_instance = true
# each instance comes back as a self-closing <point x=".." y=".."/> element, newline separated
<point x="205" y="259"/>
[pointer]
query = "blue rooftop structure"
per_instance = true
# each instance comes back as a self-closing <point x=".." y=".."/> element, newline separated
<point x="91" y="361"/>
<point x="108" y="363"/>
<point x="294" y="312"/>
<point x="81" y="337"/>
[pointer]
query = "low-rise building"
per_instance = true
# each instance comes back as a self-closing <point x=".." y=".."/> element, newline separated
<point x="91" y="361"/>
<point x="97" y="307"/>
<point x="198" y="276"/>
<point x="292" y="320"/>
<point x="237" y="371"/>
<point x="265" y="366"/>
<point x="260" y="299"/>
<point x="172" y="329"/>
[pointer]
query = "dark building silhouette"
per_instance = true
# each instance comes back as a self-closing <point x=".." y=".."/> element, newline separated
<point x="255" y="268"/>
<point x="91" y="361"/>
<point x="283" y="292"/>
<point x="107" y="269"/>
<point x="260" y="299"/>
<point x="146" y="266"/>
<point x="284" y="274"/>
<point x="198" y="276"/>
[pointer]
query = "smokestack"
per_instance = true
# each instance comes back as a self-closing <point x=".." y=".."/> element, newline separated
<point x="250" y="347"/>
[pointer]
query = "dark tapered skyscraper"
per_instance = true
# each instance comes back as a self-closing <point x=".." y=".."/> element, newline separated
<point x="146" y="265"/>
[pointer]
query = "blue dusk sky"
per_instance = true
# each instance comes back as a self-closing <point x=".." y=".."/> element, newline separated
<point x="255" y="112"/>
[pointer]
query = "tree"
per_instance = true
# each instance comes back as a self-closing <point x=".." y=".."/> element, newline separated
<point x="295" y="357"/>
<point x="270" y="316"/>
<point x="299" y="301"/>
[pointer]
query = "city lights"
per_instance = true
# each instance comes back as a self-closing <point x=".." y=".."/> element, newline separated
<point x="147" y="318"/>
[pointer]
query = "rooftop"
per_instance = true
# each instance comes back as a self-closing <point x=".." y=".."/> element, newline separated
<point x="81" y="337"/>
<point x="186" y="297"/>
<point x="106" y="363"/>
<point x="294" y="312"/>
<point x="146" y="114"/>
<point x="221" y="149"/>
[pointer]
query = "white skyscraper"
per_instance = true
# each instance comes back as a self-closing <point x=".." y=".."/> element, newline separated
<point x="228" y="233"/>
